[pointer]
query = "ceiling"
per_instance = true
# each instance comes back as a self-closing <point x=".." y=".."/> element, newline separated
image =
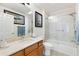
<point x="16" y="7"/>
<point x="50" y="8"/>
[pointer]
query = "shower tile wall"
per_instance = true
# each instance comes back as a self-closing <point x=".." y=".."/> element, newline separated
<point x="61" y="34"/>
<point x="62" y="28"/>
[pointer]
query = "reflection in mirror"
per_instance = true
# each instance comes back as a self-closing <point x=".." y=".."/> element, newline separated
<point x="30" y="16"/>
<point x="7" y="21"/>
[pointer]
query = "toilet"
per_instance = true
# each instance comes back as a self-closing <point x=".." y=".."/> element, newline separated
<point x="48" y="47"/>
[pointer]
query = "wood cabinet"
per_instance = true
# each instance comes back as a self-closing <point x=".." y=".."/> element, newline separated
<point x="33" y="50"/>
<point x="20" y="53"/>
<point x="33" y="53"/>
<point x="40" y="50"/>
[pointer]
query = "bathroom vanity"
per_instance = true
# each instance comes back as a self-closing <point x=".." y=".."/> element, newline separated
<point x="24" y="47"/>
<point x="35" y="49"/>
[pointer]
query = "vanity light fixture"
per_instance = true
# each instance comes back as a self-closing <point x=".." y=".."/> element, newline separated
<point x="25" y="3"/>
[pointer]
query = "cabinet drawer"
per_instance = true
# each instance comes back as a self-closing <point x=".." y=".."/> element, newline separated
<point x="31" y="48"/>
<point x="40" y="43"/>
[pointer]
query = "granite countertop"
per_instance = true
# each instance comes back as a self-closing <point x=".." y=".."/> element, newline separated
<point x="15" y="46"/>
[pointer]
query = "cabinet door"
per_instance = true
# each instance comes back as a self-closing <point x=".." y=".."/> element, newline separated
<point x="31" y="48"/>
<point x="40" y="50"/>
<point x="33" y="53"/>
<point x="20" y="53"/>
<point x="40" y="43"/>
